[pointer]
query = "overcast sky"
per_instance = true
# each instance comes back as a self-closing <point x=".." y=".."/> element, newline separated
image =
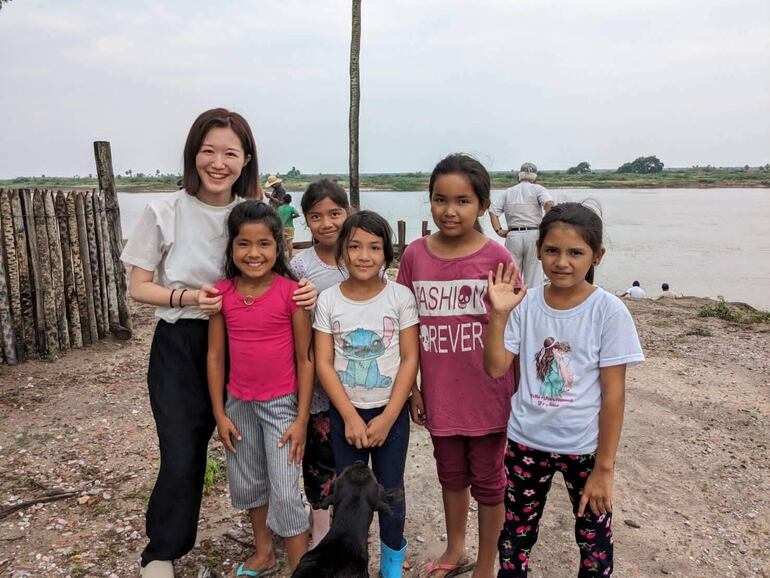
<point x="552" y="81"/>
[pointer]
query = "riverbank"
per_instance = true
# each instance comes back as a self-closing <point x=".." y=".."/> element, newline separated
<point x="692" y="490"/>
<point x="418" y="181"/>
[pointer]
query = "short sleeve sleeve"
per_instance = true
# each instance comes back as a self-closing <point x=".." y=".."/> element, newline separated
<point x="620" y="341"/>
<point x="290" y="287"/>
<point x="407" y="308"/>
<point x="497" y="204"/>
<point x="223" y="285"/>
<point x="512" y="335"/>
<point x="543" y="196"/>
<point x="322" y="320"/>
<point x="145" y="247"/>
<point x="405" y="269"/>
<point x="297" y="266"/>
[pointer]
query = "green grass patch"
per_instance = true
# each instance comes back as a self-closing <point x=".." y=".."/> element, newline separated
<point x="215" y="471"/>
<point x="759" y="316"/>
<point x="721" y="310"/>
<point x="700" y="331"/>
<point x="735" y="314"/>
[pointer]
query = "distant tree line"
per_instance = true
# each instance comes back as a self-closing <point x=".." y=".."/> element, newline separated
<point x="642" y="166"/>
<point x="581" y="169"/>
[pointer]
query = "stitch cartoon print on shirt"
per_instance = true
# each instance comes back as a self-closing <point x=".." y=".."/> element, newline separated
<point x="361" y="348"/>
<point x="554" y="368"/>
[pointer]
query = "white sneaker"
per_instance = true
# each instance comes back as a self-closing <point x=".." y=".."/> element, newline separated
<point x="158" y="569"/>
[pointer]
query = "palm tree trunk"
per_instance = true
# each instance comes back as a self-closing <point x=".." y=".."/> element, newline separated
<point x="355" y="99"/>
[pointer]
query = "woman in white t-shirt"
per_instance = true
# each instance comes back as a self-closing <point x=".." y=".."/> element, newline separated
<point x="176" y="253"/>
<point x="572" y="342"/>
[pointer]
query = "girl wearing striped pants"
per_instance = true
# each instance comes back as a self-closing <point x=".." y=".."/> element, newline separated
<point x="263" y="423"/>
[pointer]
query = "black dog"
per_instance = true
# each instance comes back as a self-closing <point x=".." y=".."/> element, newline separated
<point x="344" y="552"/>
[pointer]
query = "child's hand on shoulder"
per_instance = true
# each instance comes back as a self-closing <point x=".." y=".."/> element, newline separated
<point x="226" y="430"/>
<point x="355" y="432"/>
<point x="597" y="493"/>
<point x="306" y="294"/>
<point x="503" y="294"/>
<point x="295" y="436"/>
<point x="209" y="300"/>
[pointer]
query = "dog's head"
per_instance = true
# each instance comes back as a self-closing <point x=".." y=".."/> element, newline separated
<point x="357" y="480"/>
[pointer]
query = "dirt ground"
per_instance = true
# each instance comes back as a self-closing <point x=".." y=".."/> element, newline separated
<point x="692" y="481"/>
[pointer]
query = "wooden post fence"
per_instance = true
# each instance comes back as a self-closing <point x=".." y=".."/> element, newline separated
<point x="59" y="283"/>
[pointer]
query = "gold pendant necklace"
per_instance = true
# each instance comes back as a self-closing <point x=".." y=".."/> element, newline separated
<point x="248" y="300"/>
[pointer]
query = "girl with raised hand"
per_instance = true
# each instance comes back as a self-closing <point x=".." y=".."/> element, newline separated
<point x="571" y="342"/>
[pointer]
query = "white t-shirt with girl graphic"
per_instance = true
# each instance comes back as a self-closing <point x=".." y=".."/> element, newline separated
<point x="556" y="407"/>
<point x="367" y="351"/>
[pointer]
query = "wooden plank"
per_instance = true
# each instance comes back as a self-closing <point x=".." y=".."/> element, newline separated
<point x="44" y="280"/>
<point x="401" y="241"/>
<point x="6" y="321"/>
<point x="25" y="283"/>
<point x="70" y="290"/>
<point x="12" y="271"/>
<point x="93" y="257"/>
<point x="34" y="271"/>
<point x="103" y="156"/>
<point x="98" y="203"/>
<point x="57" y="272"/>
<point x="112" y="290"/>
<point x="85" y="259"/>
<point x="77" y="268"/>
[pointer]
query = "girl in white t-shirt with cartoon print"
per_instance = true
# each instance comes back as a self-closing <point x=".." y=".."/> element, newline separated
<point x="572" y="342"/>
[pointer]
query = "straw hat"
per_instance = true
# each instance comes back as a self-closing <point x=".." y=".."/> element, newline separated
<point x="528" y="172"/>
<point x="272" y="180"/>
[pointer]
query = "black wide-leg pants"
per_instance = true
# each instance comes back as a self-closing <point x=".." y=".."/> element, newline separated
<point x="184" y="420"/>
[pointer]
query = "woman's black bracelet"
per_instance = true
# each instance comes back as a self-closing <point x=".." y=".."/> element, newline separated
<point x="171" y="299"/>
<point x="181" y="295"/>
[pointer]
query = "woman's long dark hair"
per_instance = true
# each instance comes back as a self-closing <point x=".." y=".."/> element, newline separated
<point x="256" y="212"/>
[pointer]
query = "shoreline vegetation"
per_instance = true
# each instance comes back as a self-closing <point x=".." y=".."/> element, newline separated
<point x="692" y="178"/>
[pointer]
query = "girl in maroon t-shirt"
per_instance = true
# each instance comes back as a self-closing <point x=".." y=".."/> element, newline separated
<point x="465" y="411"/>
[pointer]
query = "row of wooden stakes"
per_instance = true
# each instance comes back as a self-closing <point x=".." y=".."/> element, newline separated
<point x="62" y="284"/>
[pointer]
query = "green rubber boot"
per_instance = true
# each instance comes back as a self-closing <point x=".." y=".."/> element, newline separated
<point x="392" y="561"/>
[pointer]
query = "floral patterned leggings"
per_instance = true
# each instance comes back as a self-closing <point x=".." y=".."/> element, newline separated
<point x="318" y="470"/>
<point x="529" y="473"/>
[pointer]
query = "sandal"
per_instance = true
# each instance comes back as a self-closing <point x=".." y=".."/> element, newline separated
<point x="241" y="571"/>
<point x="432" y="566"/>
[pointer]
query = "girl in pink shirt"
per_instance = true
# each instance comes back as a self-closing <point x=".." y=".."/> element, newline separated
<point x="465" y="411"/>
<point x="264" y="420"/>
